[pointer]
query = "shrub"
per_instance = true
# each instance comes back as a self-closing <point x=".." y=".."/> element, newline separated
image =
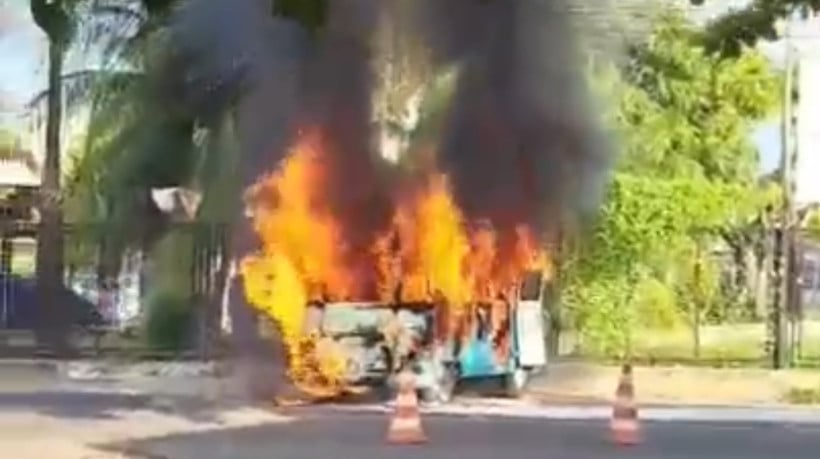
<point x="803" y="396"/>
<point x="168" y="321"/>
<point x="656" y="305"/>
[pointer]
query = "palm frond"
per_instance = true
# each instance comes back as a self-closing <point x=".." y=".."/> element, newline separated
<point x="80" y="87"/>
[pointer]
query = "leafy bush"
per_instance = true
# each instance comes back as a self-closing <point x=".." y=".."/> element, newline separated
<point x="656" y="305"/>
<point x="604" y="320"/>
<point x="168" y="321"/>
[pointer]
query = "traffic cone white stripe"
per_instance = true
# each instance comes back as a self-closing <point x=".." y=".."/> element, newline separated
<point x="626" y="425"/>
<point x="405" y="423"/>
<point x="405" y="427"/>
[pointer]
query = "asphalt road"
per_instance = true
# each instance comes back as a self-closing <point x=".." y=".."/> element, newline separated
<point x="319" y="435"/>
<point x="474" y="430"/>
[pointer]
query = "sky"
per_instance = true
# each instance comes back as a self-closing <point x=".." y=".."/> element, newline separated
<point x="23" y="58"/>
<point x="23" y="53"/>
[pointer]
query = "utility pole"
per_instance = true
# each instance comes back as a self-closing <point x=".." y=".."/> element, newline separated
<point x="786" y="233"/>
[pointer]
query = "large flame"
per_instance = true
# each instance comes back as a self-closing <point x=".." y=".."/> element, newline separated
<point x="428" y="253"/>
<point x="300" y="255"/>
<point x="428" y="244"/>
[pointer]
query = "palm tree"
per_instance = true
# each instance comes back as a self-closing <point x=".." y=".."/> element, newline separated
<point x="56" y="19"/>
<point x="59" y="20"/>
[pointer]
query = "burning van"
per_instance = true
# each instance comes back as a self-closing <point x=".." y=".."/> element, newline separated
<point x="411" y="280"/>
<point x="501" y="340"/>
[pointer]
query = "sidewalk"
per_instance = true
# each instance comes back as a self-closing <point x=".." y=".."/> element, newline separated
<point x="564" y="383"/>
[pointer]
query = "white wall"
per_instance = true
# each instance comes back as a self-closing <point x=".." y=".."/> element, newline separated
<point x="807" y="168"/>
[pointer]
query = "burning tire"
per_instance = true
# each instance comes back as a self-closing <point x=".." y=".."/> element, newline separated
<point x="515" y="383"/>
<point x="384" y="391"/>
<point x="441" y="386"/>
<point x="447" y="384"/>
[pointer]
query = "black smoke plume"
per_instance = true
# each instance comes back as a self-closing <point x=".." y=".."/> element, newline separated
<point x="520" y="144"/>
<point x="239" y="56"/>
<point x="286" y="81"/>
<point x="338" y="98"/>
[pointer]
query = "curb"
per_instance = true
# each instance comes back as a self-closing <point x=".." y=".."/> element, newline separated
<point x="92" y="370"/>
<point x="556" y="398"/>
<point x="28" y="362"/>
<point x="36" y="364"/>
<point x="604" y="413"/>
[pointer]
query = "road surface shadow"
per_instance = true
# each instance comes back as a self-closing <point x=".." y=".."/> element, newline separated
<point x="363" y="436"/>
<point x="82" y="405"/>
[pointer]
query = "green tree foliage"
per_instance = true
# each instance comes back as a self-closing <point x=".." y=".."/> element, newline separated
<point x="812" y="225"/>
<point x="695" y="103"/>
<point x="686" y="174"/>
<point x="746" y="26"/>
<point x="8" y="143"/>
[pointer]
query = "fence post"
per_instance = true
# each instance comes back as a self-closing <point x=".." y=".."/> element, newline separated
<point x="6" y="250"/>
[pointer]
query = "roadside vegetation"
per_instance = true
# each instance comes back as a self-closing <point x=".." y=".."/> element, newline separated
<point x="674" y="266"/>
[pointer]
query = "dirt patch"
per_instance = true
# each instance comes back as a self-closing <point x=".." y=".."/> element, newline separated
<point x="676" y="385"/>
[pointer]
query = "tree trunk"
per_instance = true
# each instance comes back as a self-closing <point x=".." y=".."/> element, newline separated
<point x="109" y="251"/>
<point x="697" y="299"/>
<point x="52" y="324"/>
<point x="213" y="314"/>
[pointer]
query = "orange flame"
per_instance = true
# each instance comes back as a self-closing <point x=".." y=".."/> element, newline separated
<point x="300" y="255"/>
<point x="431" y="250"/>
<point x="426" y="254"/>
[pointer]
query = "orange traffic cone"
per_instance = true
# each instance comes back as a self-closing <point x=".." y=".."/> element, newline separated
<point x="405" y="427"/>
<point x="625" y="426"/>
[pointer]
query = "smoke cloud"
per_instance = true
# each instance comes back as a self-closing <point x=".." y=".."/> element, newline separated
<point x="520" y="142"/>
<point x="235" y="52"/>
<point x="338" y="98"/>
<point x="287" y="83"/>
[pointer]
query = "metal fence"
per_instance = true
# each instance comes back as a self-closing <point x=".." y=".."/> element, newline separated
<point x="107" y="298"/>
